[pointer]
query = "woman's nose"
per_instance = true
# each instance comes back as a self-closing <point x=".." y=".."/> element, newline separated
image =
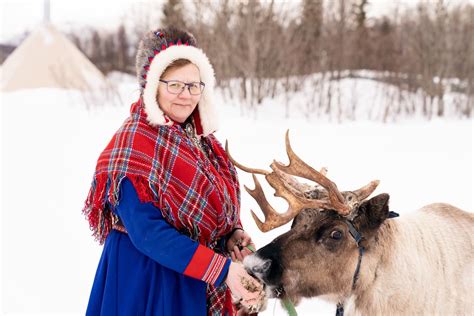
<point x="185" y="93"/>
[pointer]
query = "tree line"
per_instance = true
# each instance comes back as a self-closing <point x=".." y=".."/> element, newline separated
<point x="261" y="49"/>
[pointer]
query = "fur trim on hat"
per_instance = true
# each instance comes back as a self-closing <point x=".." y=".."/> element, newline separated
<point x="164" y="55"/>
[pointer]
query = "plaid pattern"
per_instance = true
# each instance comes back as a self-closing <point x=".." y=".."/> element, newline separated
<point x="219" y="301"/>
<point x="198" y="195"/>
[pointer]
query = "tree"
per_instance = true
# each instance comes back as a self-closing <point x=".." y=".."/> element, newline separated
<point x="95" y="52"/>
<point x="123" y="60"/>
<point x="173" y="14"/>
<point x="361" y="41"/>
<point x="308" y="36"/>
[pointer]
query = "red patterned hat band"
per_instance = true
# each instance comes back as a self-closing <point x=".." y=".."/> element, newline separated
<point x="164" y="46"/>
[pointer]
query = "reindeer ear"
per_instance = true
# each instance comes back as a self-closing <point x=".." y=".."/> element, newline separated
<point x="373" y="212"/>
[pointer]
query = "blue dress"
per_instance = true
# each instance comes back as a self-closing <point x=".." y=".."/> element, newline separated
<point x="141" y="273"/>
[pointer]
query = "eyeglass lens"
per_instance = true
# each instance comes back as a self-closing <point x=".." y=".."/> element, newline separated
<point x="177" y="87"/>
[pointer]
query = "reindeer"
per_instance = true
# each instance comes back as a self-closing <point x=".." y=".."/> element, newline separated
<point x="347" y="249"/>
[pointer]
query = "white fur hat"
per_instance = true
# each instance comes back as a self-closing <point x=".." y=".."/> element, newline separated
<point x="157" y="50"/>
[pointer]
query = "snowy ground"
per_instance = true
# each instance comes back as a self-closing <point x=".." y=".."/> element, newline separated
<point x="50" y="143"/>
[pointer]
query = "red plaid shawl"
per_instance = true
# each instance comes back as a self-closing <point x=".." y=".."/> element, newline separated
<point x="198" y="195"/>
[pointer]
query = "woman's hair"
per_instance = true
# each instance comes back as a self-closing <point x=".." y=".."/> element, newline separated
<point x="178" y="63"/>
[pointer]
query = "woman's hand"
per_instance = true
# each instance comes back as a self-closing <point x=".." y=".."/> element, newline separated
<point x="238" y="245"/>
<point x="246" y="291"/>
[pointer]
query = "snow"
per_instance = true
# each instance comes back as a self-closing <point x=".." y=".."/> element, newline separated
<point x="51" y="140"/>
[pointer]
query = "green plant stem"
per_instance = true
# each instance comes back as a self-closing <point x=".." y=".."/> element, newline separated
<point x="290" y="308"/>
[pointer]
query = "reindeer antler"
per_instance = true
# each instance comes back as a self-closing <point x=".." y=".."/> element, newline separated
<point x="287" y="187"/>
<point x="299" y="168"/>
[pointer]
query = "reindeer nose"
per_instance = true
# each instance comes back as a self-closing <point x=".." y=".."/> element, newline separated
<point x="261" y="269"/>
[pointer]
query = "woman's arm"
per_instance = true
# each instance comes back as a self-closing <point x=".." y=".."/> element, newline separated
<point x="152" y="235"/>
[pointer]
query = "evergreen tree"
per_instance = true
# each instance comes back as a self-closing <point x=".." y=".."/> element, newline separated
<point x="308" y="35"/>
<point x="361" y="45"/>
<point x="123" y="60"/>
<point x="173" y="14"/>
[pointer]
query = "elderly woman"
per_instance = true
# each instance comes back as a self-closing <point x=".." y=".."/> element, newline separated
<point x="165" y="197"/>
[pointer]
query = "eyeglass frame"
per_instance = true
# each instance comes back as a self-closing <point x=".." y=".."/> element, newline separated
<point x="203" y="85"/>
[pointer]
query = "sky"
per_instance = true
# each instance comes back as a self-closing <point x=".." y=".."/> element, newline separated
<point x="20" y="16"/>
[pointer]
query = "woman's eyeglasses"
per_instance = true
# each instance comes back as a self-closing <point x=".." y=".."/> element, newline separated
<point x="176" y="86"/>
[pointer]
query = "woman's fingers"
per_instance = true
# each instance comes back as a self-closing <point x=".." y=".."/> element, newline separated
<point x="232" y="256"/>
<point x="238" y="253"/>
<point x="235" y="255"/>
<point x="245" y="252"/>
<point x="246" y="240"/>
<point x="254" y="302"/>
<point x="248" y="291"/>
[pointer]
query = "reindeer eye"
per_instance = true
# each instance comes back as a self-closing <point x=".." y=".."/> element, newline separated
<point x="336" y="235"/>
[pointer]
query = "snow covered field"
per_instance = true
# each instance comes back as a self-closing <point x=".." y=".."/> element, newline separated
<point x="50" y="144"/>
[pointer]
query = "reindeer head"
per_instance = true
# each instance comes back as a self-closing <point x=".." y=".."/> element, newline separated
<point x="319" y="254"/>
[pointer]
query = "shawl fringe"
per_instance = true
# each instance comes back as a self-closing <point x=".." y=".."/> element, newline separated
<point x="97" y="205"/>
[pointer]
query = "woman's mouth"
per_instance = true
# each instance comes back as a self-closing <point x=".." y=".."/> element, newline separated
<point x="182" y="104"/>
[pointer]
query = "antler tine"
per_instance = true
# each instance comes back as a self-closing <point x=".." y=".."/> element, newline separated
<point x="272" y="218"/>
<point x="242" y="167"/>
<point x="294" y="185"/>
<point x="298" y="188"/>
<point x="366" y="190"/>
<point x="299" y="168"/>
<point x="268" y="211"/>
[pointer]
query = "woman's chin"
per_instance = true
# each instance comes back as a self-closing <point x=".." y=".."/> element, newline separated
<point x="180" y="118"/>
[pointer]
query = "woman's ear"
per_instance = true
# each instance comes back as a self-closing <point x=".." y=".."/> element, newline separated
<point x="372" y="213"/>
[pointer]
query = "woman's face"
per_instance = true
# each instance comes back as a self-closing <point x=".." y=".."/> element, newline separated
<point x="178" y="107"/>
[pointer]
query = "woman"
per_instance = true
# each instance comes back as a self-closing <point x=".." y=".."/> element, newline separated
<point x="165" y="197"/>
